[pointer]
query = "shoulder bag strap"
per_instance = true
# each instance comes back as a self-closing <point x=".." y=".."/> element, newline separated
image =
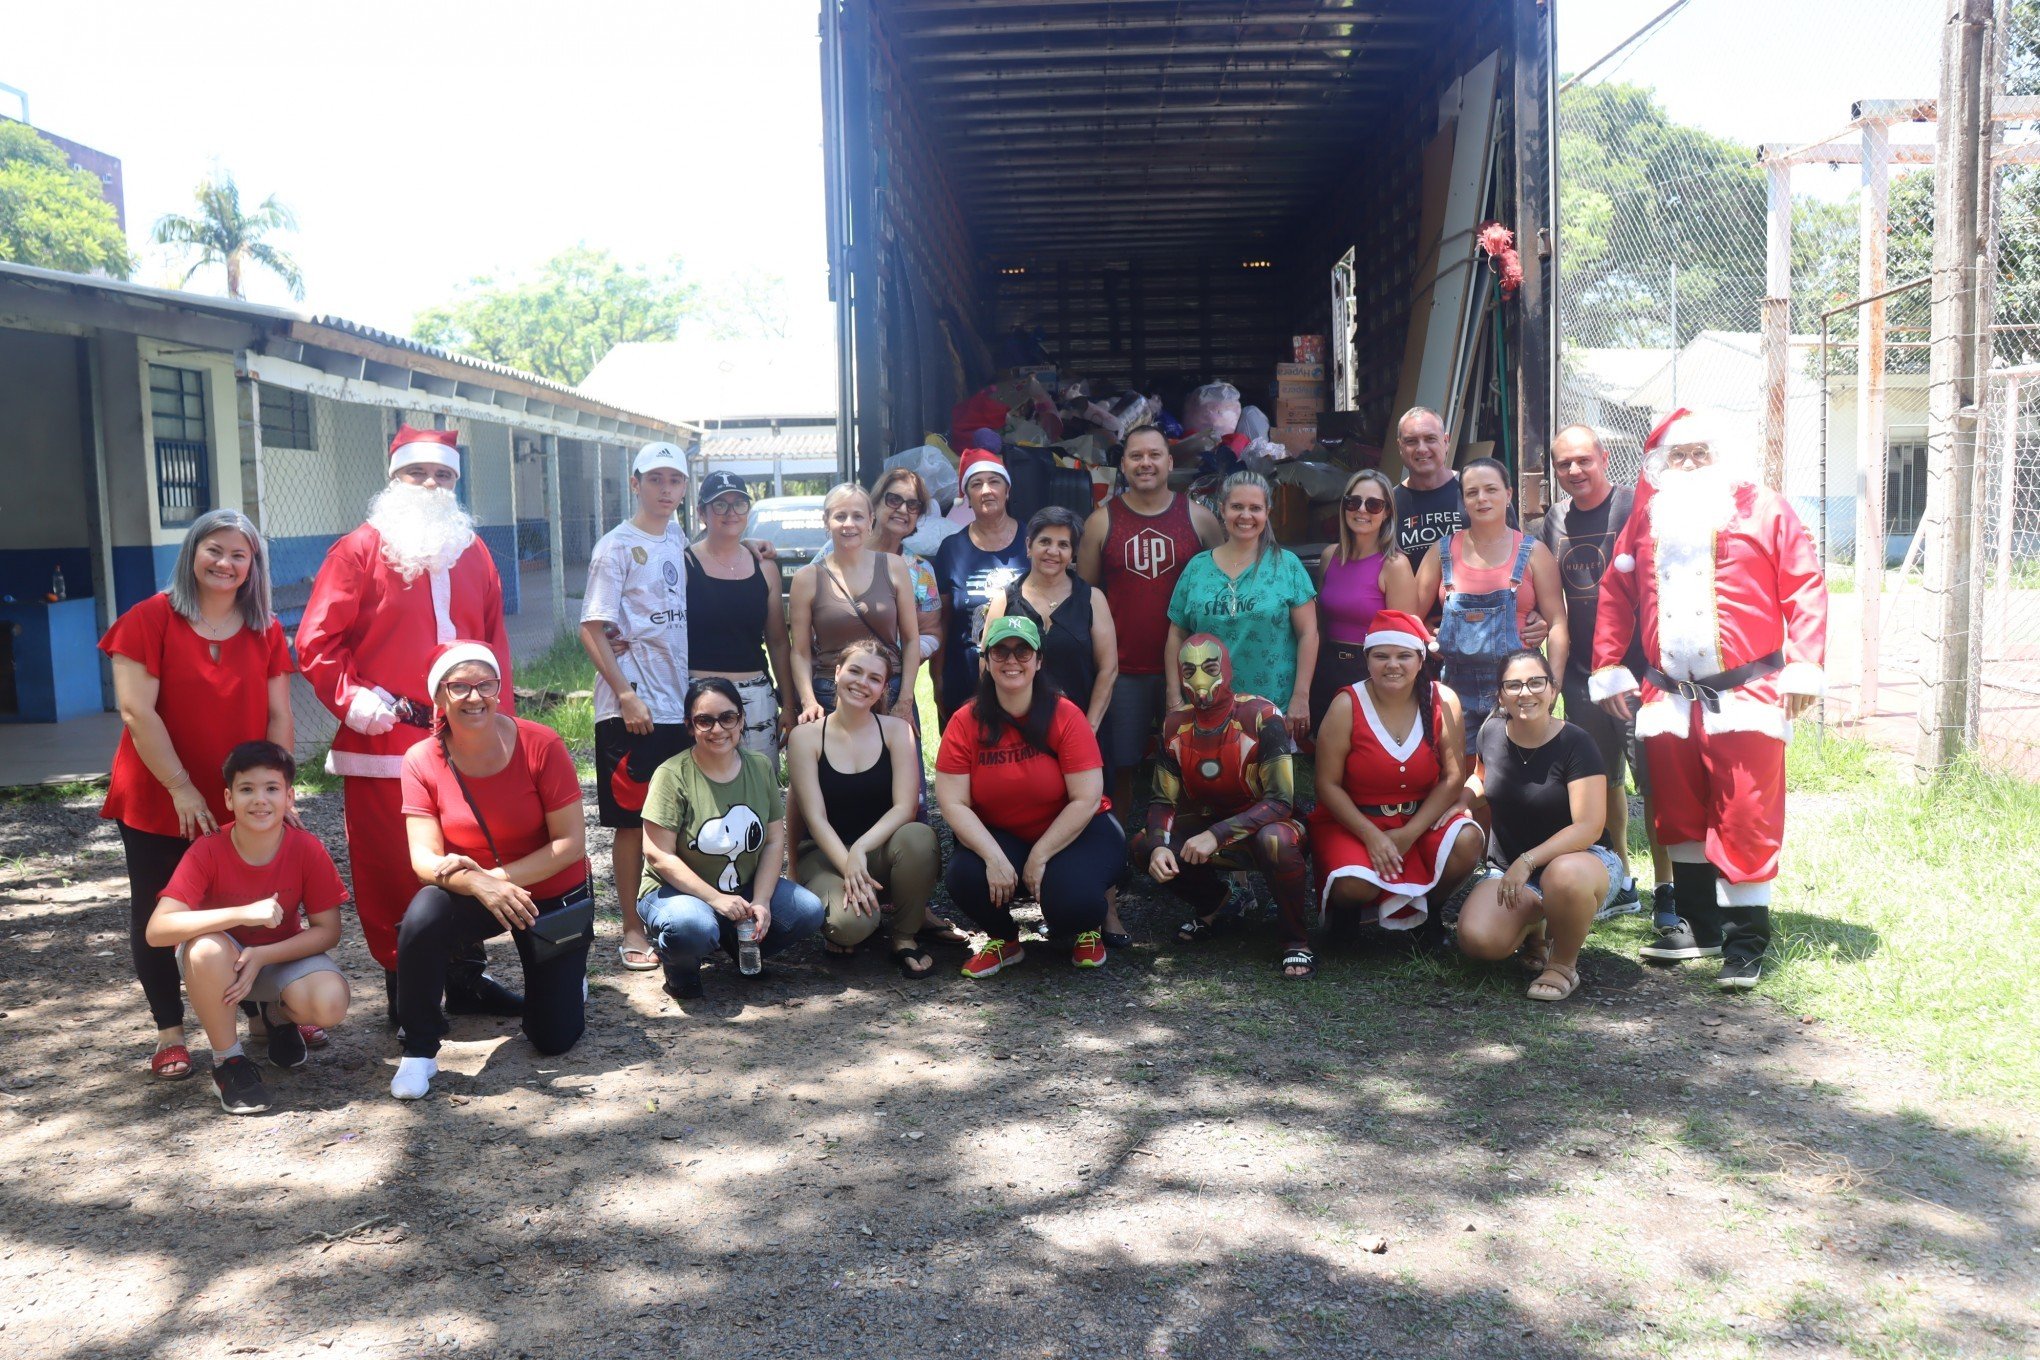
<point x="473" y="806"/>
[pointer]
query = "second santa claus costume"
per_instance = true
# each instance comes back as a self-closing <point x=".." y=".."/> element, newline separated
<point x="1722" y="579"/>
<point x="388" y="597"/>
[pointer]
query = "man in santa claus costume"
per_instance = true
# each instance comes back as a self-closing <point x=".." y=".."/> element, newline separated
<point x="387" y="598"/>
<point x="1725" y="584"/>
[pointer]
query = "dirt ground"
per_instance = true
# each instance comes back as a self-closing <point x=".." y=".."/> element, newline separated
<point x="1179" y="1155"/>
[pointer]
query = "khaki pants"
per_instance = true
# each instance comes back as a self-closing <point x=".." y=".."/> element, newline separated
<point x="905" y="867"/>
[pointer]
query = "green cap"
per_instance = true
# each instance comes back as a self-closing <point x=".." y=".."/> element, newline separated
<point x="1009" y="626"/>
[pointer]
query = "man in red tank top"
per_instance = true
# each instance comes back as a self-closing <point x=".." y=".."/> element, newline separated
<point x="1134" y="547"/>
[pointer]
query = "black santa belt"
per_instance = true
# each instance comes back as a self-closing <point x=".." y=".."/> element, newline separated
<point x="1708" y="691"/>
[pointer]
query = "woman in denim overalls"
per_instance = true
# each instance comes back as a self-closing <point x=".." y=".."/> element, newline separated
<point x="1477" y="628"/>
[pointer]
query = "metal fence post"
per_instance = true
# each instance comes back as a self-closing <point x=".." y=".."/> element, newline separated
<point x="555" y="539"/>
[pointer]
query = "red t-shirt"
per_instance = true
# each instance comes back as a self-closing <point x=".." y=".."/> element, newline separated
<point x="1013" y="786"/>
<point x="300" y="876"/>
<point x="539" y="779"/>
<point x="1142" y="557"/>
<point x="208" y="706"/>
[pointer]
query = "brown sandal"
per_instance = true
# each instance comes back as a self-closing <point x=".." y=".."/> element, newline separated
<point x="1535" y="954"/>
<point x="1568" y="983"/>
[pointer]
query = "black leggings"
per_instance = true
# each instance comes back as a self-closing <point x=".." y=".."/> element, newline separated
<point x="1072" y="886"/>
<point x="436" y="926"/>
<point x="151" y="860"/>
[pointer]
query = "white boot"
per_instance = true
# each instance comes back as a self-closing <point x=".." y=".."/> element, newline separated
<point x="414" y="1078"/>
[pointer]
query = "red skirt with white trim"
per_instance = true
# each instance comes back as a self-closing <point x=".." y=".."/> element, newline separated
<point x="1337" y="853"/>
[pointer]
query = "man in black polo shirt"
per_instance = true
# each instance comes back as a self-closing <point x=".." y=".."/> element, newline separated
<point x="1580" y="530"/>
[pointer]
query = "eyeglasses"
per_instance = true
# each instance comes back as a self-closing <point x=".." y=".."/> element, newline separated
<point x="1372" y="505"/>
<point x="1689" y="455"/>
<point x="460" y="693"/>
<point x="1536" y="684"/>
<point x="729" y="720"/>
<point x="730" y="505"/>
<point x="893" y="500"/>
<point x="1011" y="651"/>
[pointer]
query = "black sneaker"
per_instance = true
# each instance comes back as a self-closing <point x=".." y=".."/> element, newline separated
<point x="1625" y="903"/>
<point x="1739" y="975"/>
<point x="239" y="1083"/>
<point x="683" y="981"/>
<point x="286" y="1043"/>
<point x="1675" y="944"/>
<point x="482" y="995"/>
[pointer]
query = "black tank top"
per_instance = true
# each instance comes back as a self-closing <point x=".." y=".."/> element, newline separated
<point x="725" y="620"/>
<point x="855" y="802"/>
<point x="1065" y="639"/>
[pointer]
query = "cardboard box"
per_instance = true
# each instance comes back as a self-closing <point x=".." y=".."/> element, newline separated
<point x="1300" y="389"/>
<point x="1308" y="349"/>
<point x="1298" y="410"/>
<point x="1297" y="439"/>
<point x="1307" y="372"/>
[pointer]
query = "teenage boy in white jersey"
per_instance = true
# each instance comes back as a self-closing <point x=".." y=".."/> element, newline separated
<point x="636" y="598"/>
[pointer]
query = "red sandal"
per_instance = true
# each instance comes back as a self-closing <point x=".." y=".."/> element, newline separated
<point x="313" y="1035"/>
<point x="173" y="1056"/>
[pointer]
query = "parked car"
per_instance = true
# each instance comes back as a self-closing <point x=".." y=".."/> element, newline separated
<point x="793" y="526"/>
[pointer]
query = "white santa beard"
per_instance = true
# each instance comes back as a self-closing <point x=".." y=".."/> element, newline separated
<point x="1689" y="509"/>
<point x="423" y="528"/>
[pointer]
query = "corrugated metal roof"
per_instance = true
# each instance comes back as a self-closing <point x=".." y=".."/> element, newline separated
<point x="803" y="443"/>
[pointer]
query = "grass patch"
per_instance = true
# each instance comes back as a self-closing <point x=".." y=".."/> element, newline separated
<point x="563" y="667"/>
<point x="54" y="793"/>
<point x="1904" y="912"/>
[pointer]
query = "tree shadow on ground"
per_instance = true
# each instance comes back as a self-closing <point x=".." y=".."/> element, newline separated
<point x="1177" y="1155"/>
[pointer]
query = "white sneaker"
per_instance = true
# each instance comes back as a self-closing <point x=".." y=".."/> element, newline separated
<point x="414" y="1078"/>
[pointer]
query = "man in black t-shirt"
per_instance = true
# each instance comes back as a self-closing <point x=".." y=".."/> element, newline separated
<point x="1580" y="530"/>
<point x="1429" y="503"/>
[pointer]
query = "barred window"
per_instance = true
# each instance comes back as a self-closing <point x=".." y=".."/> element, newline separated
<point x="183" y="460"/>
<point x="286" y="418"/>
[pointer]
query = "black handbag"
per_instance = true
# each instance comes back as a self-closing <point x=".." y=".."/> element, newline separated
<point x="568" y="923"/>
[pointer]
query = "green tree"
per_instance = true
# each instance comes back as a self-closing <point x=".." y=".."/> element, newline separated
<point x="51" y="215"/>
<point x="223" y="233"/>
<point x="561" y="320"/>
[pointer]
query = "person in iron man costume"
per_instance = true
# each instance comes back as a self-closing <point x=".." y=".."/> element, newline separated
<point x="1225" y="800"/>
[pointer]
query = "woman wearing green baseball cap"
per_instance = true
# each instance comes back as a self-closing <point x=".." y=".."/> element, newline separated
<point x="1021" y="782"/>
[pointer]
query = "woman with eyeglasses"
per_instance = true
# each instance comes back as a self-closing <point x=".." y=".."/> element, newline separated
<point x="849" y="595"/>
<point x="1360" y="575"/>
<point x="1549" y="872"/>
<point x="1255" y="597"/>
<point x="1022" y="786"/>
<point x="899" y="499"/>
<point x="734" y="618"/>
<point x="715" y="846"/>
<point x="1489" y="581"/>
<point x="197" y="670"/>
<point x="492" y="809"/>
<point x="1387" y="829"/>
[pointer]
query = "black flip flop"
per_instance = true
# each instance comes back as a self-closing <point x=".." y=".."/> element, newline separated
<point x="900" y="956"/>
<point x="1116" y="939"/>
<point x="1298" y="958"/>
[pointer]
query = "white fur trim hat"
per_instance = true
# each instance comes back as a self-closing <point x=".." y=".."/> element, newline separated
<point x="459" y="654"/>
<point x="441" y="448"/>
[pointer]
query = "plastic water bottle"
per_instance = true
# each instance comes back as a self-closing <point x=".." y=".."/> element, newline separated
<point x="748" y="962"/>
<point x="57" y="590"/>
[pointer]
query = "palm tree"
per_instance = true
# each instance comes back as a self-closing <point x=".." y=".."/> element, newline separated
<point x="223" y="234"/>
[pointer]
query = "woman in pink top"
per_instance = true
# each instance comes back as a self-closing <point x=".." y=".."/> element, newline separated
<point x="1488" y="580"/>
<point x="1359" y="576"/>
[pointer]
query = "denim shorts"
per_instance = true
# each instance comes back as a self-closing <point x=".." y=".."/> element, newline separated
<point x="1609" y="860"/>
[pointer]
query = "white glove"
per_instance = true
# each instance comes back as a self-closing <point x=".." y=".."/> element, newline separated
<point x="371" y="711"/>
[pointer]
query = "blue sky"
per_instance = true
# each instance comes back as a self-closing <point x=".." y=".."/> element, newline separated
<point x="421" y="143"/>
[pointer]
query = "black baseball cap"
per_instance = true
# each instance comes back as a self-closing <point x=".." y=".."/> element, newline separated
<point x="721" y="483"/>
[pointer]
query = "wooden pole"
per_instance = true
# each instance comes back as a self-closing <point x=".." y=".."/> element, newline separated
<point x="1871" y="453"/>
<point x="2008" y="478"/>
<point x="1961" y="309"/>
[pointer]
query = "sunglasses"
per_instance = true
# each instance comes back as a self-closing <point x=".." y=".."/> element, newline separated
<point x="893" y="500"/>
<point x="1372" y="505"/>
<point x="729" y="720"/>
<point x="460" y="693"/>
<point x="1012" y="651"/>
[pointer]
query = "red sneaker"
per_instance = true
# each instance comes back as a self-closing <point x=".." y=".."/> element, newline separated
<point x="995" y="955"/>
<point x="1090" y="950"/>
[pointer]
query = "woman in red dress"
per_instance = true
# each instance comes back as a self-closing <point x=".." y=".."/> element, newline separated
<point x="197" y="670"/>
<point x="1385" y="832"/>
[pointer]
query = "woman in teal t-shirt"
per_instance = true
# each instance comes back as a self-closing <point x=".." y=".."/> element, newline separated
<point x="1255" y="597"/>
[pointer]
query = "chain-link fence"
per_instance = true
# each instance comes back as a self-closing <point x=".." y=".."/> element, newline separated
<point x="320" y="461"/>
<point x="1668" y="234"/>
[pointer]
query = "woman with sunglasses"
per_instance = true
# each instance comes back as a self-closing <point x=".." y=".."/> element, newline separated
<point x="492" y="808"/>
<point x="715" y="842"/>
<point x="1021" y="780"/>
<point x="1549" y="872"/>
<point x="733" y="615"/>
<point x="848" y="595"/>
<point x="899" y="499"/>
<point x="856" y="779"/>
<point x="1360" y="575"/>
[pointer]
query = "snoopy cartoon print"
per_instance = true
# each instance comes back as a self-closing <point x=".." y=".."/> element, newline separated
<point x="736" y="833"/>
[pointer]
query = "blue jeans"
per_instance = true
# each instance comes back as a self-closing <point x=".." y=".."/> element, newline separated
<point x="684" y="928"/>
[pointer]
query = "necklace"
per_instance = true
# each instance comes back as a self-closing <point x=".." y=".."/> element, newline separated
<point x="217" y="632"/>
<point x="718" y="566"/>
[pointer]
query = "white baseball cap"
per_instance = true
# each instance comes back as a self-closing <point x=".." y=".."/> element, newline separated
<point x="659" y="454"/>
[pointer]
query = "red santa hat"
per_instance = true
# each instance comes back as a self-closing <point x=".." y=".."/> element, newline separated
<point x="411" y="447"/>
<point x="460" y="652"/>
<point x="981" y="460"/>
<point x="1394" y="628"/>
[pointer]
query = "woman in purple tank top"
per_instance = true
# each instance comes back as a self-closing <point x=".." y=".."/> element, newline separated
<point x="1361" y="575"/>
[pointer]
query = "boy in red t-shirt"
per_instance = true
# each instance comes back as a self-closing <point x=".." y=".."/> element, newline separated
<point x="236" y="909"/>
